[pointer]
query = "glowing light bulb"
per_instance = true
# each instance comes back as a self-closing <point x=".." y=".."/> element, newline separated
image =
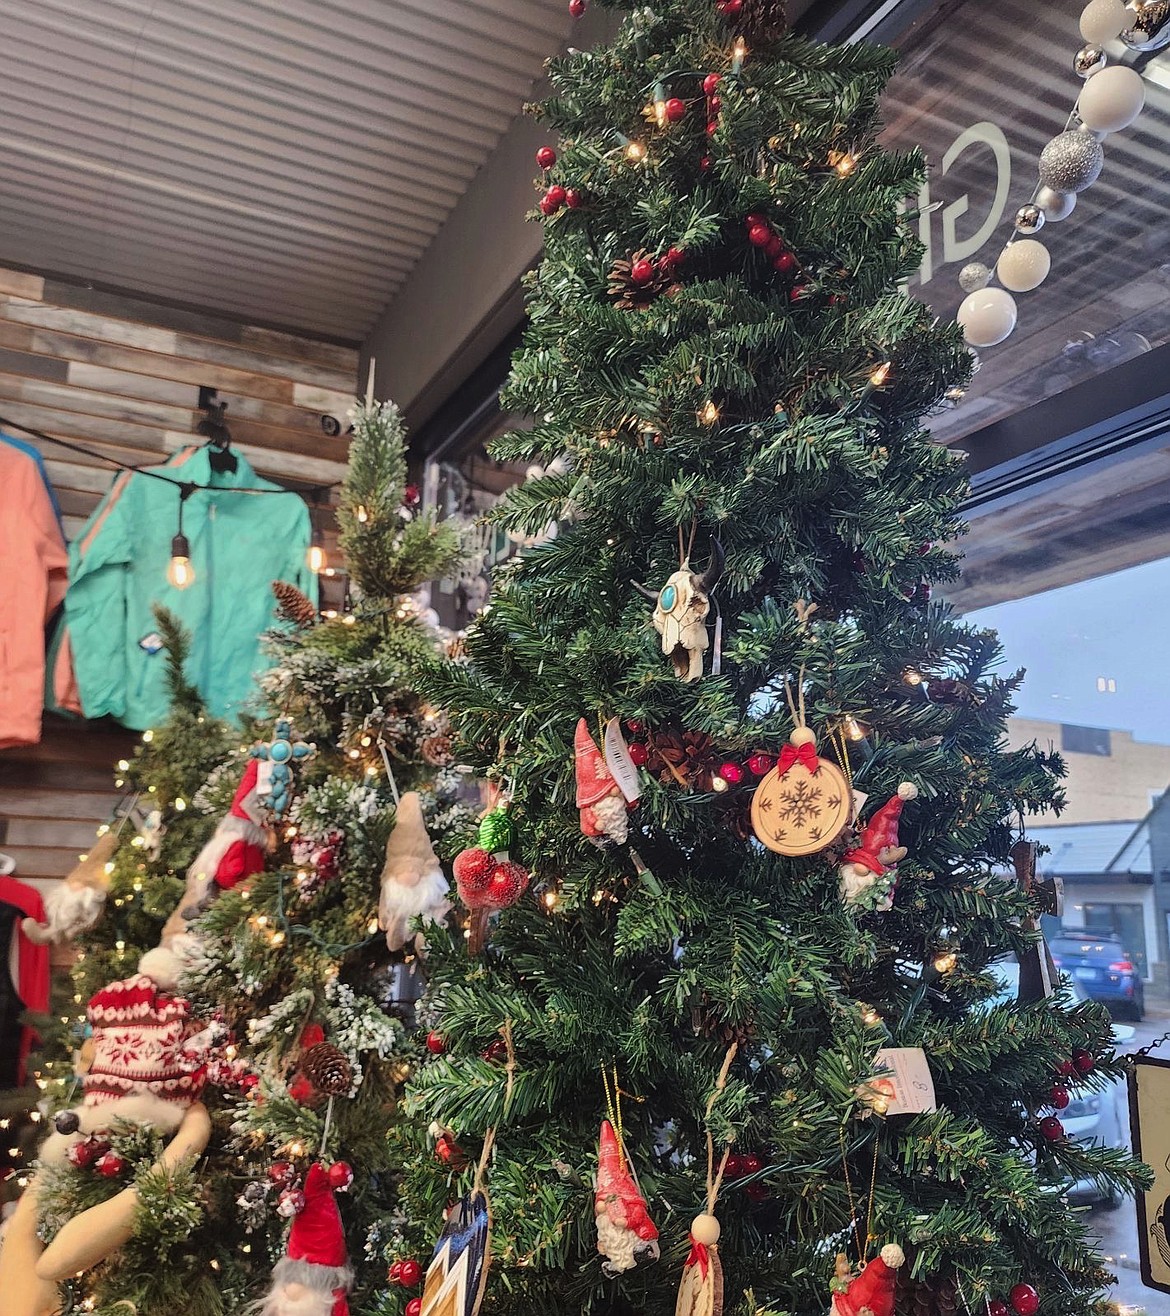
<point x="372" y="926"/>
<point x="550" y="900"/>
<point x="361" y="514"/>
<point x="123" y="766"/>
<point x="945" y="962"/>
<point x="881" y="374"/>
<point x="708" y="413"/>
<point x="844" y="162"/>
<point x="635" y="152"/>
<point x="660" y="105"/>
<point x="278" y="939"/>
<point x="316" y="558"/>
<point x="148" y="736"/>
<point x="870" y="1016"/>
<point x="180" y="572"/>
<point x="738" y="54"/>
<point x="853" y="729"/>
<point x="912" y="676"/>
<point x="180" y="804"/>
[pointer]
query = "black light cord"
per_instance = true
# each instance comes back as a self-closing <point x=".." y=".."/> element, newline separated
<point x="186" y="487"/>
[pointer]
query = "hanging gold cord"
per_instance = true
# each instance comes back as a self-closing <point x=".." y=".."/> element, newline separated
<point x="489" y="1138"/>
<point x="862" y="1246"/>
<point x="715" y="1176"/>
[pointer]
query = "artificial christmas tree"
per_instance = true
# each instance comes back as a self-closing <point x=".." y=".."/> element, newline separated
<point x="283" y="1028"/>
<point x="750" y="398"/>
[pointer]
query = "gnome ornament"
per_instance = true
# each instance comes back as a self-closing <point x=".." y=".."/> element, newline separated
<point x="604" y="810"/>
<point x="75" y="905"/>
<point x="868" y="871"/>
<point x="314" y="1277"/>
<point x="872" y="1292"/>
<point x="626" y="1236"/>
<point x="234" y="853"/>
<point x="413" y="885"/>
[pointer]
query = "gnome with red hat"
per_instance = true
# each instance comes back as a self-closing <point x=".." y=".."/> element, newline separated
<point x="867" y="872"/>
<point x="314" y="1276"/>
<point x="602" y="804"/>
<point x="872" y="1292"/>
<point x="235" y="851"/>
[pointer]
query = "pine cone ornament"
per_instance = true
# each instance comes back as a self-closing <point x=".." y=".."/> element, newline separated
<point x="638" y="282"/>
<point x="328" y="1069"/>
<point x="686" y="758"/>
<point x="934" y="1296"/>
<point x="292" y="605"/>
<point x="950" y="690"/>
<point x="436" y="749"/>
<point x="760" y="22"/>
<point x="707" y="1022"/>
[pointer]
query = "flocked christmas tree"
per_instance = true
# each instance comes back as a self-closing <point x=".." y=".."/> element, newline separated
<point x="805" y="854"/>
<point x="264" y="1034"/>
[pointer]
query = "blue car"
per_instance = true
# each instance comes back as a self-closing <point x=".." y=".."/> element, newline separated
<point x="1098" y="962"/>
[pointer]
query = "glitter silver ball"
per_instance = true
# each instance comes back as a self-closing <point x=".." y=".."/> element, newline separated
<point x="1089" y="60"/>
<point x="1029" y="218"/>
<point x="1151" y="28"/>
<point x="974" y="276"/>
<point x="1071" y="162"/>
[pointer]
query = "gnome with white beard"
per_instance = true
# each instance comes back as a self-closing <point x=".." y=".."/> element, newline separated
<point x="413" y="884"/>
<point x="314" y="1276"/>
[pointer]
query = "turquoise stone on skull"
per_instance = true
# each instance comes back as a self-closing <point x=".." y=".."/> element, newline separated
<point x="668" y="598"/>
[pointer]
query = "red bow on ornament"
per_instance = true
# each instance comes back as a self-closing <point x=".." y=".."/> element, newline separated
<point x="793" y="754"/>
<point x="698" y="1256"/>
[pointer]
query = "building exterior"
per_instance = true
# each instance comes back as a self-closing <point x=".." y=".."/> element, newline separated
<point x="1107" y="846"/>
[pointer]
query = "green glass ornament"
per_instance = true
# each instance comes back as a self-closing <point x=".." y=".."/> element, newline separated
<point x="496" y="832"/>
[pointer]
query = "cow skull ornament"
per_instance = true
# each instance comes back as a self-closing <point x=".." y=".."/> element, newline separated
<point x="680" y="613"/>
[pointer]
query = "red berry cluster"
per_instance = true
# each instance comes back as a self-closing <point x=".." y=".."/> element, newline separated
<point x="284" y="1175"/>
<point x="729" y="8"/>
<point x="94" y="1153"/>
<point x="557" y="195"/>
<point x="764" y="237"/>
<point x="714" y="103"/>
<point x="487" y="883"/>
<point x="642" y="271"/>
<point x="406" y="1273"/>
<point x="1024" y="1299"/>
<point x="743" y="1167"/>
<point x="1080" y="1063"/>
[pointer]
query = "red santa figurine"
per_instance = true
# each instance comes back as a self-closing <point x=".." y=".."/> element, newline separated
<point x="626" y="1236"/>
<point x="236" y="851"/>
<point x="603" y="807"/>
<point x="868" y="871"/>
<point x="314" y="1276"/>
<point x="872" y="1292"/>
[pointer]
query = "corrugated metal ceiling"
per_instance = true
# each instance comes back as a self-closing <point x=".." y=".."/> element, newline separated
<point x="284" y="160"/>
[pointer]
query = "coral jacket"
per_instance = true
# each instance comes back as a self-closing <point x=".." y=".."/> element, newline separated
<point x="33" y="571"/>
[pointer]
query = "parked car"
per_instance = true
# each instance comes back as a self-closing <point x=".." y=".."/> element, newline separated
<point x="1100" y="964"/>
<point x="1096" y="1117"/>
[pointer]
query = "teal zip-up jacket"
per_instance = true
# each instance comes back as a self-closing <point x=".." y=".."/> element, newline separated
<point x="240" y="543"/>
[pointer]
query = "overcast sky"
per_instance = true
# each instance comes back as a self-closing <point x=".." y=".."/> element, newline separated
<point x="1116" y="628"/>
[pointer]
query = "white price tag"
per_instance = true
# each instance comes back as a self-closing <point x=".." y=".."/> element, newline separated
<point x="264" y="778"/>
<point x="859" y="799"/>
<point x="906" y="1084"/>
<point x="619" y="763"/>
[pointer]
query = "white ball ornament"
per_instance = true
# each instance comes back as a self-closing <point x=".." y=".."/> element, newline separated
<point x="1112" y="100"/>
<point x="1024" y="265"/>
<point x="1102" y="20"/>
<point x="987" y="316"/>
<point x="1056" y="205"/>
<point x="705" y="1230"/>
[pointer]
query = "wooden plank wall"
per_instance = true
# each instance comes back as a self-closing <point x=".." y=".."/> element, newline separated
<point x="122" y="376"/>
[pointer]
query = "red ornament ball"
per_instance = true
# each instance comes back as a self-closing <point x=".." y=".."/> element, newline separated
<point x="675" y="109"/>
<point x="784" y="263"/>
<point x="573" y="199"/>
<point x="557" y="194"/>
<point x="473" y="869"/>
<point x="711" y="83"/>
<point x="1083" y="1061"/>
<point x="508" y="883"/>
<point x="548" y="207"/>
<point x="752" y="1164"/>
<point x="733" y="1169"/>
<point x="436" y="1043"/>
<point x="1052" y="1130"/>
<point x="760" y="764"/>
<point x="291" y="1202"/>
<point x="546" y="157"/>
<point x="731" y="773"/>
<point x="797" y="292"/>
<point x="1025" y="1300"/>
<point x="110" y="1165"/>
<point x="642" y="271"/>
<point x="714" y="104"/>
<point x="412" y="495"/>
<point x="729" y="8"/>
<point x="639" y="754"/>
<point x="1066" y="1069"/>
<point x="997" y="1307"/>
<point x="340" y="1175"/>
<point x="759" y="235"/>
<point x="674" y="256"/>
<point x="81" y="1155"/>
<point x="1058" y="1097"/>
<point x="704" y="163"/>
<point x="409" y="1273"/>
<point x="635" y="726"/>
<point x="712" y="127"/>
<point x="280" y="1171"/>
<point x="497" y="1052"/>
<point x="577" y="7"/>
<point x="413" y="1307"/>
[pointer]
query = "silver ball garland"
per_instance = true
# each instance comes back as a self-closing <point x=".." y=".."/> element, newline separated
<point x="1089" y="60"/>
<point x="1151" y="27"/>
<point x="1029" y="218"/>
<point x="974" y="276"/>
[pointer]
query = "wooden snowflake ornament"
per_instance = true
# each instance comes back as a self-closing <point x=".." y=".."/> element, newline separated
<point x="801" y="806"/>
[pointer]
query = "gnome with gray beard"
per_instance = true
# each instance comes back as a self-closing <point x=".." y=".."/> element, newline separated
<point x="314" y="1277"/>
